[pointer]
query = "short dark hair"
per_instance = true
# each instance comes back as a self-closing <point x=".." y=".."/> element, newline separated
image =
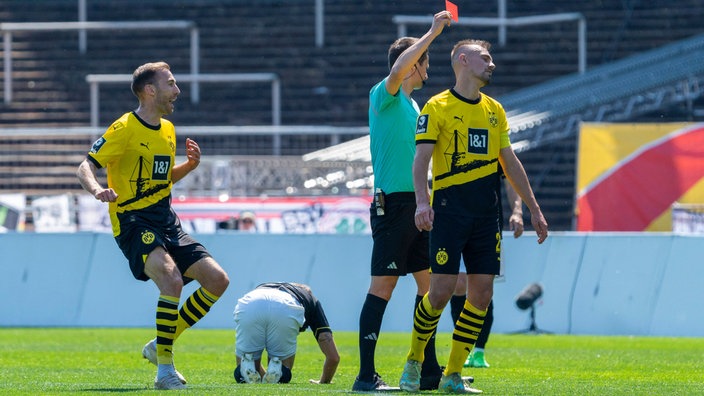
<point x="399" y="46"/>
<point x="144" y="75"/>
<point x="482" y="43"/>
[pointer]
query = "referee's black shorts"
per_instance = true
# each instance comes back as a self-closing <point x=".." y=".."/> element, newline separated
<point x="399" y="248"/>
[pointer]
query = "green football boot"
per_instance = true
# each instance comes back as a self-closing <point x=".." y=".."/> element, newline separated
<point x="476" y="359"/>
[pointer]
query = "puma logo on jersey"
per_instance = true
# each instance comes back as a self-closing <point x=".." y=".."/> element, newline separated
<point x="461" y="118"/>
<point x="145" y="145"/>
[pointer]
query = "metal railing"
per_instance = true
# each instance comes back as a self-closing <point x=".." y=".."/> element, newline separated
<point x="96" y="79"/>
<point x="618" y="91"/>
<point x="403" y="20"/>
<point x="9" y="28"/>
<point x="331" y="134"/>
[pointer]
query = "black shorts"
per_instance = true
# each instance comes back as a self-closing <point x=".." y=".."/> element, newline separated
<point x="140" y="235"/>
<point x="476" y="239"/>
<point x="399" y="248"/>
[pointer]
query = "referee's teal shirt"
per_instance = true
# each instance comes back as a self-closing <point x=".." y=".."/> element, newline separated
<point x="392" y="125"/>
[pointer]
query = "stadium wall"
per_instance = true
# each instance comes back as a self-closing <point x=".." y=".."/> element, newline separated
<point x="594" y="283"/>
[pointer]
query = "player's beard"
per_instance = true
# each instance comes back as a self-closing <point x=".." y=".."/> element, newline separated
<point x="486" y="80"/>
<point x="167" y="106"/>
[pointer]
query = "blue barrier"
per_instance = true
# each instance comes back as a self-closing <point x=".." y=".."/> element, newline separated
<point x="594" y="283"/>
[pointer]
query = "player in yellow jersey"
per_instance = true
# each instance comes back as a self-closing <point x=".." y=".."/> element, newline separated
<point x="138" y="150"/>
<point x="465" y="132"/>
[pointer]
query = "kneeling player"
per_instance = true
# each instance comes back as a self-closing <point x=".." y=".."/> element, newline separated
<point x="270" y="317"/>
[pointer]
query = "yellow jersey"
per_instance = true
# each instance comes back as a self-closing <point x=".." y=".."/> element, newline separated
<point x="468" y="136"/>
<point x="138" y="158"/>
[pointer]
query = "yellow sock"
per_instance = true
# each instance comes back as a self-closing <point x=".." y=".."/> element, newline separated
<point x="166" y="318"/>
<point x="425" y="321"/>
<point x="465" y="334"/>
<point x="193" y="310"/>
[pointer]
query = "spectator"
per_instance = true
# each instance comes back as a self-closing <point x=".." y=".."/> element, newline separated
<point x="247" y="222"/>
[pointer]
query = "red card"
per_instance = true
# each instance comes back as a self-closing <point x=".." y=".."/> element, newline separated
<point x="452" y="8"/>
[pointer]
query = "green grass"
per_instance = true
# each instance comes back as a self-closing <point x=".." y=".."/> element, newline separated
<point x="93" y="361"/>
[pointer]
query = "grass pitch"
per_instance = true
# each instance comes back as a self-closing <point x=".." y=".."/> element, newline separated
<point x="61" y="361"/>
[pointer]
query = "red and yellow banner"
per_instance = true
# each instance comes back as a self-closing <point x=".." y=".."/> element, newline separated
<point x="629" y="175"/>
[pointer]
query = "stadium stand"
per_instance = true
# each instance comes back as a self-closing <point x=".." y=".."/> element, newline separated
<point x="37" y="164"/>
<point x="320" y="86"/>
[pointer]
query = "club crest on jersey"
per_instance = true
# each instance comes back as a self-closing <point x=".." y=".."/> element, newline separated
<point x="97" y="145"/>
<point x="493" y="121"/>
<point x="422" y="124"/>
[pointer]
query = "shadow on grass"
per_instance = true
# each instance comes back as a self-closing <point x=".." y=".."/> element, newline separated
<point x="114" y="390"/>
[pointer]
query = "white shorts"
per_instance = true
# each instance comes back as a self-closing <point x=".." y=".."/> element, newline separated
<point x="267" y="319"/>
